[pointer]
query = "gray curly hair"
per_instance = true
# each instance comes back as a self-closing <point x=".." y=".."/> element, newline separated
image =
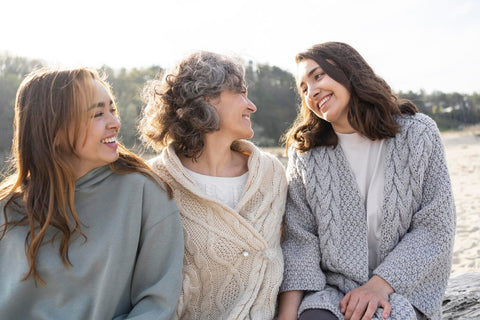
<point x="177" y="110"/>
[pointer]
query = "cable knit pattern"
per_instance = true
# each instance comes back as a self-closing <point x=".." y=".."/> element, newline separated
<point x="233" y="262"/>
<point x="325" y="238"/>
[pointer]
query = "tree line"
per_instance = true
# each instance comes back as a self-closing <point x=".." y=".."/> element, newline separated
<point x="271" y="88"/>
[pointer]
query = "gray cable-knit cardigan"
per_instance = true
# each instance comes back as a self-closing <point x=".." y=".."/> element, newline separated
<point x="325" y="236"/>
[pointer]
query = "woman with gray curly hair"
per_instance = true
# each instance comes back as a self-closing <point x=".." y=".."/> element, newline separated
<point x="231" y="195"/>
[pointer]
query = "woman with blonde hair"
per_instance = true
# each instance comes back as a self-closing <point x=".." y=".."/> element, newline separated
<point x="87" y="230"/>
<point x="231" y="195"/>
<point x="370" y="217"/>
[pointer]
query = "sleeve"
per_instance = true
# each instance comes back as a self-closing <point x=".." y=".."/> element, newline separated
<point x="300" y="242"/>
<point x="425" y="251"/>
<point x="157" y="279"/>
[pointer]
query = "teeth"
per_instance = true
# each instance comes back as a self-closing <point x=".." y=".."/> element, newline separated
<point x="324" y="100"/>
<point x="109" y="140"/>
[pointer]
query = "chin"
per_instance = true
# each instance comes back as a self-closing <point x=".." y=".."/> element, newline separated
<point x="112" y="159"/>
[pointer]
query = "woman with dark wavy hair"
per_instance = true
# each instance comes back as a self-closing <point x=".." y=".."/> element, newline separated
<point x="87" y="230"/>
<point x="370" y="217"/>
<point x="231" y="195"/>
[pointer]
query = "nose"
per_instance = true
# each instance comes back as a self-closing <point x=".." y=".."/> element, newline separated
<point x="312" y="92"/>
<point x="114" y="122"/>
<point x="251" y="106"/>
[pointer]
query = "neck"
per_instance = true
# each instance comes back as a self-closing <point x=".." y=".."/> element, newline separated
<point x="217" y="159"/>
<point x="343" y="128"/>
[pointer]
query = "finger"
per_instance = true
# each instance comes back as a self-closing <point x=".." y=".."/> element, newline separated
<point x="350" y="308"/>
<point x="358" y="310"/>
<point x="344" y="302"/>
<point x="387" y="308"/>
<point x="368" y="315"/>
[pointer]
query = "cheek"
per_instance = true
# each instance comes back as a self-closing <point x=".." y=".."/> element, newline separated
<point x="345" y="94"/>
<point x="82" y="136"/>
<point x="311" y="105"/>
<point x="315" y="112"/>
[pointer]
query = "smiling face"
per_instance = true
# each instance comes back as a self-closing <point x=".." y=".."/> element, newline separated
<point x="97" y="139"/>
<point x="234" y="110"/>
<point x="325" y="97"/>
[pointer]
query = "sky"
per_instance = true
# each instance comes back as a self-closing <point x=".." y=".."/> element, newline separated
<point x="431" y="45"/>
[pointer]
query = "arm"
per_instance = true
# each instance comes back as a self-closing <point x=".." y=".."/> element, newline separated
<point x="157" y="278"/>
<point x="300" y="242"/>
<point x="419" y="265"/>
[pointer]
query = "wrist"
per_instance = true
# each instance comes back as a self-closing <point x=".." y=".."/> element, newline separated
<point x="285" y="316"/>
<point x="381" y="283"/>
<point x="289" y="302"/>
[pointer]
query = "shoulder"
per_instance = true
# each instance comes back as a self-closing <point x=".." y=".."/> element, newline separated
<point x="271" y="159"/>
<point x="417" y="123"/>
<point x="418" y="139"/>
<point x="418" y="130"/>
<point x="155" y="162"/>
<point x="146" y="182"/>
<point x="161" y="167"/>
<point x="256" y="155"/>
<point x="155" y="200"/>
<point x="299" y="157"/>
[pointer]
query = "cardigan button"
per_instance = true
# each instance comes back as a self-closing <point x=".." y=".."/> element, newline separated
<point x="245" y="253"/>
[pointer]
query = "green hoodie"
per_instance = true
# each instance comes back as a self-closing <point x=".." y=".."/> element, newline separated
<point x="130" y="265"/>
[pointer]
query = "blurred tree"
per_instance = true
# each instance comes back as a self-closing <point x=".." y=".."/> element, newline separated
<point x="273" y="92"/>
<point x="12" y="71"/>
<point x="269" y="87"/>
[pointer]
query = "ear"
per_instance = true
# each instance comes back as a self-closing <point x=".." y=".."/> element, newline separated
<point x="212" y="101"/>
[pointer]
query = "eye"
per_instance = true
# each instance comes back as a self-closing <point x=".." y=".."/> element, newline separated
<point x="319" y="75"/>
<point x="98" y="114"/>
<point x="113" y="110"/>
<point x="303" y="90"/>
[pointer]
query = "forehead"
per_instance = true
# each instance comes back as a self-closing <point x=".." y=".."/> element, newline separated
<point x="100" y="91"/>
<point x="100" y="96"/>
<point x="305" y="68"/>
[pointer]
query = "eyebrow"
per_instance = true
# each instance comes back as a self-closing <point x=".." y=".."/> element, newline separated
<point x="313" y="71"/>
<point x="310" y="74"/>
<point x="99" y="105"/>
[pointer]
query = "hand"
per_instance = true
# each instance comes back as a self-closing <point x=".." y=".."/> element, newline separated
<point x="362" y="302"/>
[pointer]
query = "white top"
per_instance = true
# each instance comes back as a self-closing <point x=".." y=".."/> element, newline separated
<point x="226" y="190"/>
<point x="366" y="159"/>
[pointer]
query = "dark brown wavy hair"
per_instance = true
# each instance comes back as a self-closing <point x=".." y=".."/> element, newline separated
<point x="177" y="109"/>
<point x="49" y="103"/>
<point x="372" y="108"/>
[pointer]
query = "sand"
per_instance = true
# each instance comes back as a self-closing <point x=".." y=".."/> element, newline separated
<point x="463" y="159"/>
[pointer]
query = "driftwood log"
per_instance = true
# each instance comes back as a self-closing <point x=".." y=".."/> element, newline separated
<point x="462" y="297"/>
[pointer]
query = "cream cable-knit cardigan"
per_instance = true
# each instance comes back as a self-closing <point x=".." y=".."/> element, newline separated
<point x="233" y="262"/>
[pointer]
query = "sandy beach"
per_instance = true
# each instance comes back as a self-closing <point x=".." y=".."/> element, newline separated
<point x="463" y="158"/>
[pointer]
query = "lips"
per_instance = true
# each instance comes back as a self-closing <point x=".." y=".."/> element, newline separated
<point x="324" y="100"/>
